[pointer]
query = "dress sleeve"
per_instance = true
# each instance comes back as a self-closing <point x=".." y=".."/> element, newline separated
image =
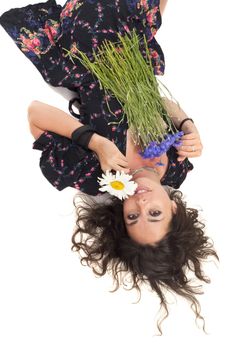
<point x="150" y="15"/>
<point x="35" y="30"/>
<point x="63" y="163"/>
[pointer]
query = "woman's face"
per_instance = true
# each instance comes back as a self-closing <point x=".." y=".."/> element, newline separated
<point x="149" y="211"/>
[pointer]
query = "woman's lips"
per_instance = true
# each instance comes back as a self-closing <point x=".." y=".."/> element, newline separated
<point x="142" y="189"/>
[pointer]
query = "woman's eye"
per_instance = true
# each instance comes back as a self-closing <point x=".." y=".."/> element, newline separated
<point x="154" y="213"/>
<point x="132" y="216"/>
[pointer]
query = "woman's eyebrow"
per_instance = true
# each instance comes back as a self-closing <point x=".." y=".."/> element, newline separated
<point x="150" y="220"/>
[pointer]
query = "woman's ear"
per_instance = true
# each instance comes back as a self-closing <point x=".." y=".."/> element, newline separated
<point x="174" y="207"/>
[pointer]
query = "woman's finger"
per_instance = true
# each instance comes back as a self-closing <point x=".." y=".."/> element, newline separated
<point x="191" y="148"/>
<point x="115" y="168"/>
<point x="120" y="168"/>
<point x="195" y="153"/>
<point x="191" y="136"/>
<point x="190" y="142"/>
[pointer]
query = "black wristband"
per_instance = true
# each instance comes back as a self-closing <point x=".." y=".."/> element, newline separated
<point x="82" y="135"/>
<point x="183" y="121"/>
<point x="71" y="102"/>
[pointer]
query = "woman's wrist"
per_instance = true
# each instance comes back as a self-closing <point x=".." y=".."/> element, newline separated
<point x="95" y="142"/>
<point x="185" y="121"/>
<point x="175" y="112"/>
<point x="86" y="137"/>
<point x="189" y="127"/>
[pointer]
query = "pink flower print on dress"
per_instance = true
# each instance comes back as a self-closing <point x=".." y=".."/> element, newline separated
<point x="86" y="24"/>
<point x="94" y="42"/>
<point x="107" y="97"/>
<point x="126" y="28"/>
<point x="51" y="32"/>
<point x="74" y="48"/>
<point x="151" y="16"/>
<point x="48" y="135"/>
<point x="36" y="42"/>
<point x="118" y="111"/>
<point x="32" y="40"/>
<point x="68" y="9"/>
<point x="144" y="5"/>
<point x="51" y="160"/>
<point x="92" y="86"/>
<point x="27" y="44"/>
<point x="99" y="8"/>
<point x="154" y="54"/>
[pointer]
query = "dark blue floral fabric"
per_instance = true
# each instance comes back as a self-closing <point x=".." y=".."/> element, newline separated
<point x="43" y="32"/>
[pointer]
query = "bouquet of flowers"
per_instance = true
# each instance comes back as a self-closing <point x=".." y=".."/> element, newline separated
<point x="122" y="70"/>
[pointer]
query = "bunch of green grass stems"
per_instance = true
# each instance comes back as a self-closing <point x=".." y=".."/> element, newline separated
<point x="122" y="70"/>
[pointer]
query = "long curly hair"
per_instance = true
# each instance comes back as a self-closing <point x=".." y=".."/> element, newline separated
<point x="101" y="238"/>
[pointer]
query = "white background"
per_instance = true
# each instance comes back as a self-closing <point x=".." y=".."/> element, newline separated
<point x="47" y="300"/>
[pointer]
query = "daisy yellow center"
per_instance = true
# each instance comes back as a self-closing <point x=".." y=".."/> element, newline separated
<point x="117" y="185"/>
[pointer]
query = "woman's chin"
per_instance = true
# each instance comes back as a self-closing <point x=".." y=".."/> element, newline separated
<point x="143" y="177"/>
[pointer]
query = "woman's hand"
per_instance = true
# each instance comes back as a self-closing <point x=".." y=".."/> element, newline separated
<point x="191" y="142"/>
<point x="109" y="156"/>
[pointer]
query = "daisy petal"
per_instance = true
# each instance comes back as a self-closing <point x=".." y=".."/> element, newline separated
<point x="118" y="185"/>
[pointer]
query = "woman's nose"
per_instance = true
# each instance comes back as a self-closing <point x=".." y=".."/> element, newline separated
<point x="141" y="200"/>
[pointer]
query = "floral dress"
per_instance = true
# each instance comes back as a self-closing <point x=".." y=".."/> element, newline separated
<point x="43" y="32"/>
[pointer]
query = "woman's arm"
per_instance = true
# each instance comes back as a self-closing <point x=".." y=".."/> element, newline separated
<point x="191" y="142"/>
<point x="177" y="115"/>
<point x="176" y="112"/>
<point x="43" y="117"/>
<point x="162" y="6"/>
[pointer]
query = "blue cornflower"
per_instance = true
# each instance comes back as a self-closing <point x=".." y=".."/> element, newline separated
<point x="156" y="149"/>
<point x="159" y="164"/>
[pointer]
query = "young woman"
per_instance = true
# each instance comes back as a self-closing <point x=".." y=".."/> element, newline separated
<point x="151" y="234"/>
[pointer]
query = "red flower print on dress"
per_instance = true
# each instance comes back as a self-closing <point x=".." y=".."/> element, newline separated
<point x="144" y="5"/>
<point x="154" y="54"/>
<point x="51" y="30"/>
<point x="151" y="16"/>
<point x="74" y="48"/>
<point x="69" y="8"/>
<point x="29" y="44"/>
<point x="33" y="41"/>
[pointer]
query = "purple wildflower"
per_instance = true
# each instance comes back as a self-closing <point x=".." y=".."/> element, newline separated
<point x="156" y="149"/>
<point x="159" y="164"/>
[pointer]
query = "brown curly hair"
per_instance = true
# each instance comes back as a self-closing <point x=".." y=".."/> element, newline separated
<point x="102" y="241"/>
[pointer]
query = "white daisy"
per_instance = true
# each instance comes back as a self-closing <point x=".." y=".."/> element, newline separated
<point x="118" y="185"/>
